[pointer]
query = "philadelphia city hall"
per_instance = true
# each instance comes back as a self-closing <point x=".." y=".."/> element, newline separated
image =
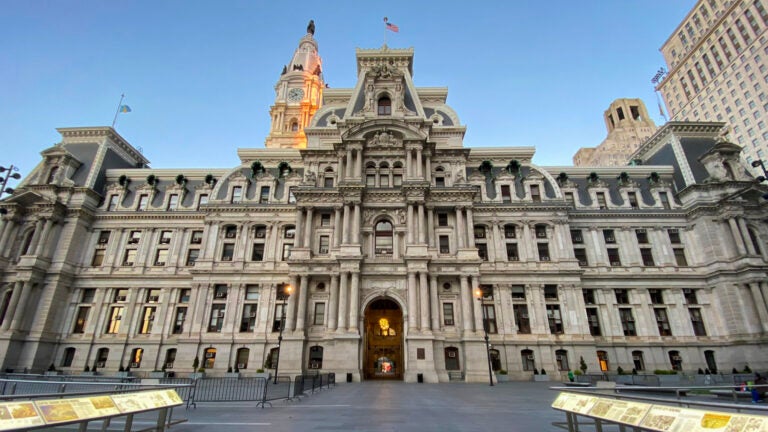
<point x="384" y="248"/>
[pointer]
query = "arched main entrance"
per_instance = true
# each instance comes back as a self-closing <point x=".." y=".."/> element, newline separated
<point x="383" y="358"/>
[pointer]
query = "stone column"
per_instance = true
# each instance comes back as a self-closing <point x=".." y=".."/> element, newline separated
<point x="299" y="224"/>
<point x="466" y="305"/>
<point x="431" y="226"/>
<point x="35" y="237"/>
<point x="395" y="244"/>
<point x="302" y="312"/>
<point x="408" y="163"/>
<point x="20" y="309"/>
<point x="433" y="302"/>
<point x="478" y="308"/>
<point x="40" y="248"/>
<point x="308" y="230"/>
<point x="745" y="237"/>
<point x="290" y="314"/>
<point x="354" y="300"/>
<point x="499" y="248"/>
<point x="345" y="226"/>
<point x="343" y="291"/>
<point x="337" y="227"/>
<point x="349" y="163"/>
<point x="11" y="311"/>
<point x="460" y="227"/>
<point x="740" y="247"/>
<point x="424" y="301"/>
<point x="428" y="163"/>
<point x="410" y="223"/>
<point x="421" y="223"/>
<point x="356" y="224"/>
<point x="333" y="303"/>
<point x="757" y="297"/>
<point x="418" y="163"/>
<point x="340" y="169"/>
<point x="470" y="228"/>
<point x="5" y="234"/>
<point x="412" y="302"/>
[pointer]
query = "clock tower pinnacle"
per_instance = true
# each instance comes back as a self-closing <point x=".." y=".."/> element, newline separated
<point x="298" y="95"/>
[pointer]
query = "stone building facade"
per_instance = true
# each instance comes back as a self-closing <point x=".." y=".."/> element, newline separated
<point x="628" y="125"/>
<point x="383" y="227"/>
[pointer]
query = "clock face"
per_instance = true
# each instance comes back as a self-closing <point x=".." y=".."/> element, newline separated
<point x="295" y="94"/>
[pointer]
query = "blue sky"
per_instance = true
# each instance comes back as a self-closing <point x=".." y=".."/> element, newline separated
<point x="199" y="75"/>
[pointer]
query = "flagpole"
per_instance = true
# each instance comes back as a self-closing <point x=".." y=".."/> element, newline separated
<point x="119" y="104"/>
<point x="385" y="31"/>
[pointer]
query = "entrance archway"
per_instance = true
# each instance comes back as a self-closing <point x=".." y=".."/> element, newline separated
<point x="383" y="358"/>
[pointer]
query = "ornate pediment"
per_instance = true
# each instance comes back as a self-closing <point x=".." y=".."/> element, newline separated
<point x="384" y="139"/>
<point x="476" y="176"/>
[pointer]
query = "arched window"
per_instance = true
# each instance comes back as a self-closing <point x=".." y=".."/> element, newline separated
<point x="638" y="361"/>
<point x="242" y="358"/>
<point x="27" y="242"/>
<point x="328" y="178"/>
<point x="397" y="174"/>
<point x="101" y="358"/>
<point x="561" y="357"/>
<point x="136" y="356"/>
<point x="210" y="358"/>
<point x="316" y="357"/>
<point x="384" y="175"/>
<point x="385" y="106"/>
<point x="495" y="359"/>
<point x="52" y="175"/>
<point x="602" y="359"/>
<point x="370" y="174"/>
<point x="439" y="177"/>
<point x="452" y="358"/>
<point x="170" y="358"/>
<point x="294" y="125"/>
<point x="709" y="357"/>
<point x="675" y="360"/>
<point x="69" y="357"/>
<point x="529" y="361"/>
<point x="383" y="238"/>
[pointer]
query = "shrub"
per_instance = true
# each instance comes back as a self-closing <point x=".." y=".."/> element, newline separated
<point x="502" y="372"/>
<point x="201" y="370"/>
<point x="734" y="371"/>
<point x="664" y="372"/>
<point x="634" y="371"/>
<point x="578" y="372"/>
<point x="195" y="363"/>
<point x="51" y="368"/>
<point x="582" y="364"/>
<point x="87" y="368"/>
<point x="229" y="369"/>
<point x="747" y="369"/>
<point x="535" y="371"/>
<point x="620" y="370"/>
<point x="543" y="372"/>
<point x="701" y="371"/>
<point x="259" y="370"/>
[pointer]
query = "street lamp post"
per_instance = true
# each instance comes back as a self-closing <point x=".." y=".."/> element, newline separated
<point x="10" y="173"/>
<point x="284" y="297"/>
<point x="759" y="163"/>
<point x="479" y="295"/>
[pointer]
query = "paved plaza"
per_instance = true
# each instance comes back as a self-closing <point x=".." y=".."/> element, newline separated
<point x="387" y="406"/>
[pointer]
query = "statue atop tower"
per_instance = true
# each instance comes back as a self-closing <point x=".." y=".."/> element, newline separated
<point x="298" y="95"/>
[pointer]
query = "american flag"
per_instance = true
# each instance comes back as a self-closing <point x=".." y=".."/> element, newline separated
<point x="391" y="26"/>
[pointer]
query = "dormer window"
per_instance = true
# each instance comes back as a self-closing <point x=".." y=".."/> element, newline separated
<point x="294" y="127"/>
<point x="385" y="106"/>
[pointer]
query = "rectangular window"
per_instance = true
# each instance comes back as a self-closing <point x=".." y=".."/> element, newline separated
<point x="509" y="231"/>
<point x="130" y="257"/>
<point x="153" y="295"/>
<point x="287" y="251"/>
<point x="662" y="322"/>
<point x="196" y="237"/>
<point x="143" y="201"/>
<point x="609" y="236"/>
<point x="622" y="296"/>
<point x="165" y="237"/>
<point x="264" y="197"/>
<point x="104" y="237"/>
<point x="554" y="319"/>
<point x="227" y="251"/>
<point x="81" y="320"/>
<point x="697" y="322"/>
<point x="248" y="320"/>
<point x="134" y="237"/>
<point x="448" y="314"/>
<point x="535" y="193"/>
<point x="588" y="295"/>
<point x="184" y="295"/>
<point x="89" y="295"/>
<point x="384" y="181"/>
<point x="328" y="182"/>
<point x="192" y="256"/>
<point x="550" y="292"/>
<point x="147" y="320"/>
<point x="482" y="251"/>
<point x="279" y="317"/>
<point x="257" y="254"/>
<point x="576" y="236"/>
<point x="115" y="316"/>
<point x="627" y="322"/>
<point x="664" y="200"/>
<point x="581" y="256"/>
<point x="217" y="317"/>
<point x="506" y="194"/>
<point x="237" y="194"/>
<point x="98" y="257"/>
<point x="690" y="296"/>
<point x="489" y="319"/>
<point x="601" y="200"/>
<point x="522" y="320"/>
<point x="512" y="254"/>
<point x="656" y="296"/>
<point x="518" y="292"/>
<point x="642" y="236"/>
<point x="569" y="199"/>
<point x="324" y="245"/>
<point x="252" y="292"/>
<point x="173" y="202"/>
<point x="203" y="200"/>
<point x="594" y="322"/>
<point x="112" y="206"/>
<point x="442" y="219"/>
<point x="397" y="180"/>
<point x="647" y="256"/>
<point x="121" y="295"/>
<point x="444" y="245"/>
<point x="541" y="231"/>
<point x="613" y="257"/>
<point x="161" y="257"/>
<point x="178" y="321"/>
<point x="370" y="180"/>
<point x="543" y="249"/>
<point x="319" y="314"/>
<point x="674" y="236"/>
<point x="680" y="257"/>
<point x="325" y="219"/>
<point x="220" y="291"/>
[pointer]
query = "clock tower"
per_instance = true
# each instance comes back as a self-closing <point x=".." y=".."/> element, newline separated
<point x="298" y="95"/>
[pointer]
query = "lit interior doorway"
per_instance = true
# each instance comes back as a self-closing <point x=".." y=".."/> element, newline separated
<point x="383" y="341"/>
